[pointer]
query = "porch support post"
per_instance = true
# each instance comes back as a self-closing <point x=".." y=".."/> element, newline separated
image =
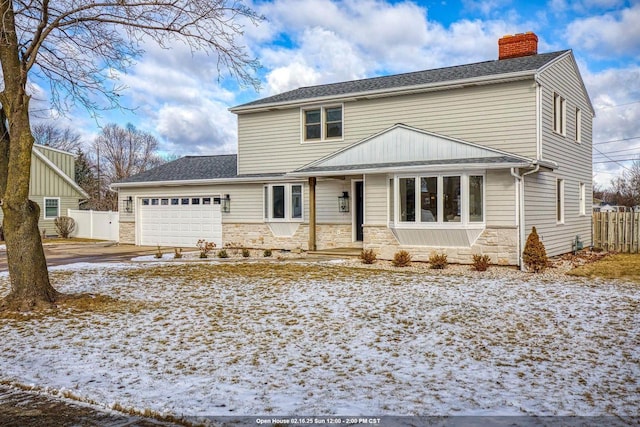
<point x="312" y="213"/>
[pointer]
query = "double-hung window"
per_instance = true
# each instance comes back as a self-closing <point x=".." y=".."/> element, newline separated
<point x="560" y="201"/>
<point x="322" y="123"/>
<point x="51" y="207"/>
<point x="559" y="114"/>
<point x="283" y="202"/>
<point x="439" y="199"/>
<point x="578" y="125"/>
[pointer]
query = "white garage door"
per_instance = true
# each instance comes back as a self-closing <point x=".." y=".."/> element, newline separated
<point x="180" y="221"/>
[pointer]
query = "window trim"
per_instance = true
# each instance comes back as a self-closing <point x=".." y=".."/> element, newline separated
<point x="582" y="196"/>
<point x="267" y="198"/>
<point x="559" y="114"/>
<point x="464" y="222"/>
<point x="44" y="213"/>
<point x="560" y="201"/>
<point x="323" y="123"/>
<point x="578" y="118"/>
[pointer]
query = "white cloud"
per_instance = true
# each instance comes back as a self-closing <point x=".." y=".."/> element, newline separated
<point x="322" y="41"/>
<point x="615" y="94"/>
<point x="200" y="129"/>
<point x="612" y="34"/>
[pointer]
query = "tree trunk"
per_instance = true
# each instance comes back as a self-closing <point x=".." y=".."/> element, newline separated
<point x="30" y="287"/>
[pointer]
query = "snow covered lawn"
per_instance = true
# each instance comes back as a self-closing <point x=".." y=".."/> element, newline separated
<point x="293" y="338"/>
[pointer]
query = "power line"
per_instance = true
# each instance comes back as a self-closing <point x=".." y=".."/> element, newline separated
<point x="620" y="105"/>
<point x="614" y="161"/>
<point x="616" y="140"/>
<point x="620" y="151"/>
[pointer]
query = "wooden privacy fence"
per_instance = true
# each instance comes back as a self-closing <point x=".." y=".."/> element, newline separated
<point x="616" y="231"/>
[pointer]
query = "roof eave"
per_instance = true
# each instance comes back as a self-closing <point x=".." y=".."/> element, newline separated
<point x="353" y="96"/>
<point x="412" y="168"/>
<point x="198" y="182"/>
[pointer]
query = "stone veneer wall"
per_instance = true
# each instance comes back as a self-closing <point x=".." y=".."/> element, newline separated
<point x="501" y="244"/>
<point x="128" y="232"/>
<point x="260" y="236"/>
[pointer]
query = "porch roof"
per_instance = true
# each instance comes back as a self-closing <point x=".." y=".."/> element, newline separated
<point x="402" y="148"/>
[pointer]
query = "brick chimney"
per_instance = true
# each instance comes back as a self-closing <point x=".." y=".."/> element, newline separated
<point x="518" y="45"/>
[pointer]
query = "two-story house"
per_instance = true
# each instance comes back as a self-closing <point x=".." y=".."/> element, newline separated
<point x="460" y="160"/>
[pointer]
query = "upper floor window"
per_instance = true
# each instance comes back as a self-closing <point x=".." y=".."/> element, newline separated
<point x="322" y="123"/>
<point x="578" y="125"/>
<point x="559" y="114"/>
<point x="283" y="202"/>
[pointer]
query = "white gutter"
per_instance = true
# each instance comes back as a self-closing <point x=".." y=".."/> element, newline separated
<point x="520" y="209"/>
<point x="416" y="168"/>
<point x="216" y="181"/>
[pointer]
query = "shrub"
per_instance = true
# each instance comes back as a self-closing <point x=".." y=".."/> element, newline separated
<point x="158" y="253"/>
<point x="65" y="226"/>
<point x="438" y="261"/>
<point x="222" y="253"/>
<point x="232" y="247"/>
<point x="246" y="253"/>
<point x="177" y="253"/>
<point x="534" y="255"/>
<point x="401" y="259"/>
<point x="205" y="247"/>
<point x="368" y="256"/>
<point x="266" y="253"/>
<point x="481" y="262"/>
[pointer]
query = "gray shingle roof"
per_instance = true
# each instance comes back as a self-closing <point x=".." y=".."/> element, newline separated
<point x="469" y="161"/>
<point x="440" y="75"/>
<point x="190" y="168"/>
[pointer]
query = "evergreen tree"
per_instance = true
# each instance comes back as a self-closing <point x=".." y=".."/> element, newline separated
<point x="535" y="255"/>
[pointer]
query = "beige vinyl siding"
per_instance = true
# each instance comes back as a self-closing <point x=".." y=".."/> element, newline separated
<point x="501" y="116"/>
<point x="500" y="199"/>
<point x="375" y="203"/>
<point x="327" y="192"/>
<point x="246" y="199"/>
<point x="65" y="161"/>
<point x="573" y="159"/>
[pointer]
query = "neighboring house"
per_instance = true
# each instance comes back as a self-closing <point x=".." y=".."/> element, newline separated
<point x="460" y="160"/>
<point x="52" y="185"/>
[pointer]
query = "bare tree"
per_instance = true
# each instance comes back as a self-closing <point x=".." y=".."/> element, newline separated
<point x="75" y="45"/>
<point x="51" y="135"/>
<point x="124" y="152"/>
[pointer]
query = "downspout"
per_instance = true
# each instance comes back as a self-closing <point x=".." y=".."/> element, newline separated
<point x="538" y="118"/>
<point x="520" y="208"/>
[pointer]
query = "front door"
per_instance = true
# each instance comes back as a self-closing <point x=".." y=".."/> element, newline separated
<point x="358" y="209"/>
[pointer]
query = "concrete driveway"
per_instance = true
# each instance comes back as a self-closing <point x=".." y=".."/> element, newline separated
<point x="69" y="253"/>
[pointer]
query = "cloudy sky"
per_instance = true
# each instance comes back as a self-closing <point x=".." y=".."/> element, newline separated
<point x="180" y="98"/>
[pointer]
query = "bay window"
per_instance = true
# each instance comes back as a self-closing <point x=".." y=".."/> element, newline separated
<point x="283" y="202"/>
<point x="439" y="199"/>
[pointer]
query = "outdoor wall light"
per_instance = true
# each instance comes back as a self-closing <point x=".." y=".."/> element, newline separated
<point x="343" y="202"/>
<point x="128" y="204"/>
<point x="226" y="204"/>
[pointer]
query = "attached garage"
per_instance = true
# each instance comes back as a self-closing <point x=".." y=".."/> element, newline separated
<point x="179" y="221"/>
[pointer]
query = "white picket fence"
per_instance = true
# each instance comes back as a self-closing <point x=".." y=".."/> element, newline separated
<point x="95" y="224"/>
